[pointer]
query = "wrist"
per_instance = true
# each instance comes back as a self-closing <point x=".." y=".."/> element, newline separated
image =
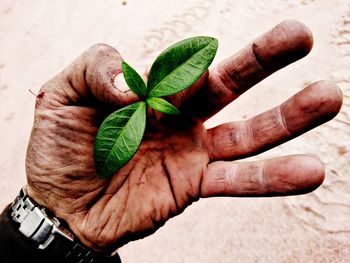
<point x="50" y="234"/>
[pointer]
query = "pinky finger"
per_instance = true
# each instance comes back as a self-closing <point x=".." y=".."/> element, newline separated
<point x="290" y="175"/>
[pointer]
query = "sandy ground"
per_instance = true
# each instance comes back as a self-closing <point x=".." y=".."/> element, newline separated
<point x="39" y="38"/>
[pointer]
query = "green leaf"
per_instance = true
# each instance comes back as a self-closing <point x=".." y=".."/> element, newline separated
<point x="162" y="105"/>
<point x="134" y="80"/>
<point x="119" y="138"/>
<point x="181" y="65"/>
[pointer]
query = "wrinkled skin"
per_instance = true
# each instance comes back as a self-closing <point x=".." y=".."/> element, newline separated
<point x="179" y="160"/>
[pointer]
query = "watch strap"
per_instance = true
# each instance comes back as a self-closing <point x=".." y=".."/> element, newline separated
<point x="75" y="252"/>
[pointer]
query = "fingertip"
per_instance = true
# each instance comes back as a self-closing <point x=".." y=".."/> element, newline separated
<point x="328" y="95"/>
<point x="313" y="170"/>
<point x="298" y="174"/>
<point x="301" y="33"/>
<point x="285" y="43"/>
<point x="312" y="106"/>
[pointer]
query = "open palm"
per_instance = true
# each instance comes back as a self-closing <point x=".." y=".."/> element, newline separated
<point x="179" y="160"/>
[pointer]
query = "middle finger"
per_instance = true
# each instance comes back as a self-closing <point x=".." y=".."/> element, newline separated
<point x="307" y="109"/>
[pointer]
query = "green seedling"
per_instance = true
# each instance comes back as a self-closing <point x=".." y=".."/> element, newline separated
<point x="175" y="69"/>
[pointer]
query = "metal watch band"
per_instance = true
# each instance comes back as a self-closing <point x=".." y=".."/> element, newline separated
<point x="47" y="233"/>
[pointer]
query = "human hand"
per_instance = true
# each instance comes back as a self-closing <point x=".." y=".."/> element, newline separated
<point x="179" y="161"/>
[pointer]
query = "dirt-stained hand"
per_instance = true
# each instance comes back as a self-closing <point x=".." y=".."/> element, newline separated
<point x="179" y="161"/>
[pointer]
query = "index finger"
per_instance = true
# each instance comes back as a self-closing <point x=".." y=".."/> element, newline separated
<point x="282" y="45"/>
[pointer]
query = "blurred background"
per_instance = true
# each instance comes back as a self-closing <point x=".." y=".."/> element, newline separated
<point x="38" y="38"/>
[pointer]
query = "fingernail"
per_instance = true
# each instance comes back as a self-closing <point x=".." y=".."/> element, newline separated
<point x="119" y="82"/>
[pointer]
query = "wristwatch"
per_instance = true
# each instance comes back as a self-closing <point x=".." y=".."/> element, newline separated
<point x="51" y="234"/>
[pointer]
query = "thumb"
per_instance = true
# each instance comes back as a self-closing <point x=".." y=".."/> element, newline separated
<point x="89" y="79"/>
<point x="104" y="76"/>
